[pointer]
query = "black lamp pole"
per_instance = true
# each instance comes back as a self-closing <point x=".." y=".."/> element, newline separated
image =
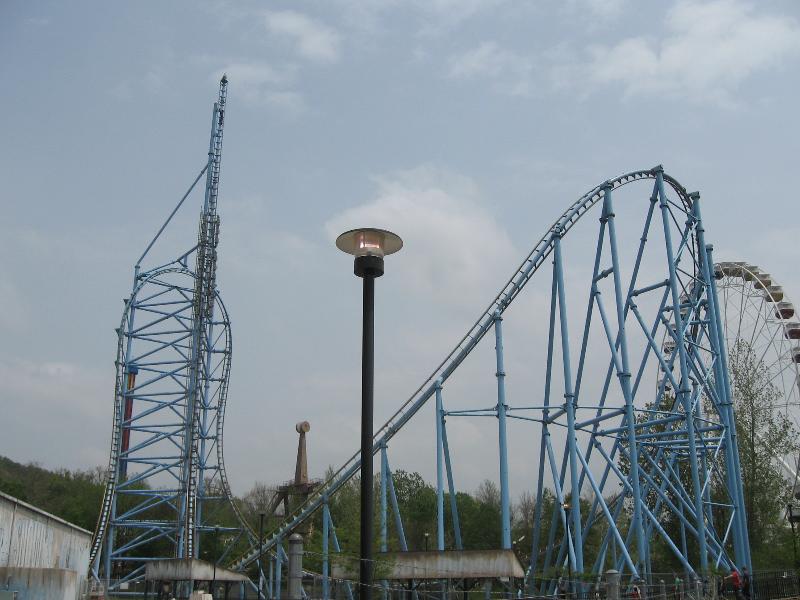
<point x="369" y="246"/>
<point x="792" y="518"/>
<point x="368" y="268"/>
<point x="216" y="560"/>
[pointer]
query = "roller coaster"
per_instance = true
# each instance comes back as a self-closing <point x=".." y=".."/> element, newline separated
<point x="166" y="480"/>
<point x="628" y="418"/>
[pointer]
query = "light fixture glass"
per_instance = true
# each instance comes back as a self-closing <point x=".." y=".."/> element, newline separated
<point x="369" y="241"/>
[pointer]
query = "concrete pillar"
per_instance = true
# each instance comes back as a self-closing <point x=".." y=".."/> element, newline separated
<point x="612" y="584"/>
<point x="295" y="567"/>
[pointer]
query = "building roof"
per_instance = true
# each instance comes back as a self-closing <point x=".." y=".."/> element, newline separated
<point x="34" y="509"/>
<point x="449" y="564"/>
<point x="189" y="569"/>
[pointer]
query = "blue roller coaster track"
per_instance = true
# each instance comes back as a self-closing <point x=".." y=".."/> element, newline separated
<point x="677" y="437"/>
<point x="166" y="481"/>
<point x="637" y="387"/>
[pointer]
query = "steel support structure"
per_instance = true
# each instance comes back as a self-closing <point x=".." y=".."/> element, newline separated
<point x="166" y="485"/>
<point x="646" y="453"/>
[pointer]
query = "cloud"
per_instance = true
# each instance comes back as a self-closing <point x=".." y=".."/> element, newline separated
<point x="15" y="315"/>
<point x="704" y="54"/>
<point x="604" y="9"/>
<point x="37" y="21"/>
<point x="313" y="40"/>
<point x="454" y="248"/>
<point x="710" y="48"/>
<point x="511" y="73"/>
<point x="273" y="85"/>
<point x="433" y="17"/>
<point x="73" y="398"/>
<point x="254" y="74"/>
<point x="262" y="84"/>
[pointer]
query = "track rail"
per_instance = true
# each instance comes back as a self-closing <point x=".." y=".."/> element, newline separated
<point x="114" y="455"/>
<point x="116" y="432"/>
<point x="417" y="400"/>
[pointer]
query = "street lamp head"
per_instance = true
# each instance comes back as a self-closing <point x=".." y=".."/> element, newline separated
<point x="369" y="246"/>
<point x="369" y="241"/>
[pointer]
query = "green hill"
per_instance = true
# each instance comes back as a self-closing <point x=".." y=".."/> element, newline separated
<point x="72" y="495"/>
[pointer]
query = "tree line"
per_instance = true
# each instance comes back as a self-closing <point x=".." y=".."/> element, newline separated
<point x="763" y="432"/>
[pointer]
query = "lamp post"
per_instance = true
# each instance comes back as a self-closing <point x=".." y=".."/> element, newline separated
<point x="369" y="246"/>
<point x="216" y="560"/>
<point x="793" y="518"/>
<point x="427" y="537"/>
<point x="260" y="555"/>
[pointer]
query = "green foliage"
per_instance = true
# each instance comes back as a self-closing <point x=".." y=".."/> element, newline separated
<point x="764" y="432"/>
<point x="72" y="495"/>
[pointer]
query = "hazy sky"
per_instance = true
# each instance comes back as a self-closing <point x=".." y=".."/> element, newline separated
<point x="467" y="126"/>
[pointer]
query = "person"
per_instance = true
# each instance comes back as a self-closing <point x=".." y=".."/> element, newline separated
<point x="562" y="587"/>
<point x="678" y="587"/>
<point x="636" y="594"/>
<point x="736" y="583"/>
<point x="745" y="583"/>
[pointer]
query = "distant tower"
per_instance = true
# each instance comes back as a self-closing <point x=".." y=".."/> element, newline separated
<point x="301" y="469"/>
<point x="294" y="493"/>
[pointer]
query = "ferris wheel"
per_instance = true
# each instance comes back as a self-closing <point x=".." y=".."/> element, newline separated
<point x="761" y="328"/>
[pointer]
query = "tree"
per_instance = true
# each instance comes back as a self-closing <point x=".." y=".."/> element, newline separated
<point x="764" y="433"/>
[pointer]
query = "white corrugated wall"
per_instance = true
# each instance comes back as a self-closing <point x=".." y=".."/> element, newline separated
<point x="33" y="539"/>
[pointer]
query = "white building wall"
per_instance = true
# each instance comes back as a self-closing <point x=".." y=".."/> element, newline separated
<point x="33" y="539"/>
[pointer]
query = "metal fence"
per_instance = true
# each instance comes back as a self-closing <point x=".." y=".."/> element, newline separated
<point x="765" y="585"/>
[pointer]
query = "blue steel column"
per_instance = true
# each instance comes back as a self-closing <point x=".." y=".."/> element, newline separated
<point x="505" y="502"/>
<point x="384" y="509"/>
<point x="398" y="520"/>
<point x="187" y="502"/>
<point x="111" y="533"/>
<point x="439" y="470"/>
<point x="569" y="405"/>
<point x="545" y="434"/>
<point x="741" y="548"/>
<point x="326" y="517"/>
<point x="338" y="549"/>
<point x="683" y="392"/>
<point x="451" y="487"/>
<point x="732" y="451"/>
<point x="278" y="564"/>
<point x="271" y="580"/>
<point x="625" y="380"/>
<point x="204" y="407"/>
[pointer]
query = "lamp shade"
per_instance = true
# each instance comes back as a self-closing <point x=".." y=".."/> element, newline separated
<point x="369" y="242"/>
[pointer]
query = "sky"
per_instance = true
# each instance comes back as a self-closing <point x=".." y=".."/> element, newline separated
<point x="466" y="126"/>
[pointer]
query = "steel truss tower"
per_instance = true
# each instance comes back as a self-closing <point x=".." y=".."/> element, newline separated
<point x="631" y="425"/>
<point x="166" y="484"/>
